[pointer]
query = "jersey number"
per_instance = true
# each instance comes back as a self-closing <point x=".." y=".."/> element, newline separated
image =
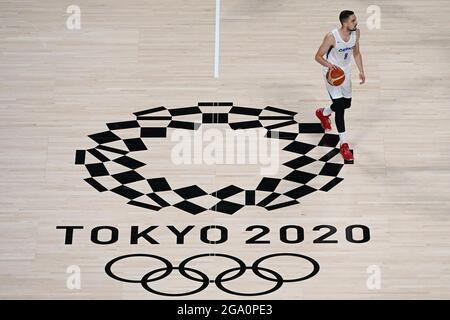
<point x="346" y="55"/>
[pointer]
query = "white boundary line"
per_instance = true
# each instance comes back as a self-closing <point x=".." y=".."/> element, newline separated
<point x="217" y="41"/>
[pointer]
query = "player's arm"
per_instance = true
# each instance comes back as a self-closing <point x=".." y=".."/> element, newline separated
<point x="327" y="43"/>
<point x="358" y="59"/>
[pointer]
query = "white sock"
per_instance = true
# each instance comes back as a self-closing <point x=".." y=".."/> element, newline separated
<point x="327" y="111"/>
<point x="343" y="137"/>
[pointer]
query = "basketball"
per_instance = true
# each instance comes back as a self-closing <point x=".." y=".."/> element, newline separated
<point x="335" y="77"/>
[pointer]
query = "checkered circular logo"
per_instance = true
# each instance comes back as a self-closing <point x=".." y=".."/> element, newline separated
<point x="314" y="163"/>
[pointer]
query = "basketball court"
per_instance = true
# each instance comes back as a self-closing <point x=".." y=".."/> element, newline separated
<point x="118" y="180"/>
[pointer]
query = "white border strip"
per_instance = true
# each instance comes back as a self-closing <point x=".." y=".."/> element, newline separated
<point x="217" y="41"/>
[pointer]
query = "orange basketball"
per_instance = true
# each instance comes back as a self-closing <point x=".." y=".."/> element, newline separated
<point x="335" y="77"/>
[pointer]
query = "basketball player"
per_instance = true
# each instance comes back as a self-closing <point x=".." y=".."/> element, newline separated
<point x="338" y="46"/>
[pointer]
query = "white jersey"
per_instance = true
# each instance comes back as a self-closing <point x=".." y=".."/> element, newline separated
<point x="341" y="54"/>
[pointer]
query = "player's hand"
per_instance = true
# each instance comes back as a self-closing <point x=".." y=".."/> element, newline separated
<point x="332" y="66"/>
<point x="362" y="77"/>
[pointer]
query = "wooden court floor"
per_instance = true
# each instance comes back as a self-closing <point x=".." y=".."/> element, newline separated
<point x="59" y="85"/>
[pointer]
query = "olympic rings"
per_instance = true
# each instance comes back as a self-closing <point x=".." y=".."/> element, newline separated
<point x="219" y="279"/>
<point x="256" y="267"/>
<point x="276" y="287"/>
<point x="145" y="282"/>
<point x="239" y="261"/>
<point x="108" y="266"/>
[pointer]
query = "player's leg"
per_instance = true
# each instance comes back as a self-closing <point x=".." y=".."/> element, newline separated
<point x="324" y="119"/>
<point x="339" y="108"/>
<point x="345" y="103"/>
<point x="324" y="113"/>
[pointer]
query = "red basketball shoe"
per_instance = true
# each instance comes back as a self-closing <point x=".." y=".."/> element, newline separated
<point x="324" y="120"/>
<point x="346" y="153"/>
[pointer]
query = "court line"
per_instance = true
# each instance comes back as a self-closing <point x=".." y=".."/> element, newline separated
<point x="217" y="41"/>
<point x="217" y="51"/>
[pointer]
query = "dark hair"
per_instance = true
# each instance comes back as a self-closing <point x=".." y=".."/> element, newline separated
<point x="344" y="15"/>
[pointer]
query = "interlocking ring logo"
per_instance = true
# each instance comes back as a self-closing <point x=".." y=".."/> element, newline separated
<point x="223" y="277"/>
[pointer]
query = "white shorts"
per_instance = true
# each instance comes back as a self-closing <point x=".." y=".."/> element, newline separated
<point x="342" y="91"/>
